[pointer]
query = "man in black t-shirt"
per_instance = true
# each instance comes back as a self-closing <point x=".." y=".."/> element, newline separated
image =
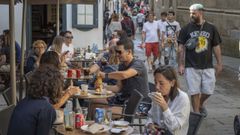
<point x="132" y="74"/>
<point x="198" y="68"/>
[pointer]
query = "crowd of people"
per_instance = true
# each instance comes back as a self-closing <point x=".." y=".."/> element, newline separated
<point x="188" y="50"/>
<point x="170" y="106"/>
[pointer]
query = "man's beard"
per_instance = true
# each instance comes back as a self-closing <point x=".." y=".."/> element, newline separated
<point x="195" y="19"/>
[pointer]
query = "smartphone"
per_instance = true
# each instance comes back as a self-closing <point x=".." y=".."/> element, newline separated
<point x="66" y="52"/>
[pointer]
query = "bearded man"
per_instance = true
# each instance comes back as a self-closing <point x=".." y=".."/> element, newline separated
<point x="195" y="57"/>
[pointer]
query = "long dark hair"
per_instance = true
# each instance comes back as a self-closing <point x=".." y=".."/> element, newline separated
<point x="50" y="58"/>
<point x="170" y="74"/>
<point x="46" y="81"/>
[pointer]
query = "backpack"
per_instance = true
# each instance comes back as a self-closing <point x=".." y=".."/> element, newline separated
<point x="127" y="28"/>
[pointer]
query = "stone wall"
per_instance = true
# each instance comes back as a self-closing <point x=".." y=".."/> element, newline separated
<point x="225" y="15"/>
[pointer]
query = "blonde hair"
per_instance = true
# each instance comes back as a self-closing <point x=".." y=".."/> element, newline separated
<point x="113" y="59"/>
<point x="37" y="42"/>
<point x="57" y="44"/>
<point x="115" y="17"/>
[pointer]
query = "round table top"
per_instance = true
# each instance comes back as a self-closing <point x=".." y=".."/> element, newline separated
<point x="61" y="129"/>
<point x="93" y="95"/>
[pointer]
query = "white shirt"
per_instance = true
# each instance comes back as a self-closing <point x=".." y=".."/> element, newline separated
<point x="170" y="27"/>
<point x="176" y="117"/>
<point x="161" y="26"/>
<point x="113" y="26"/>
<point x="151" y="30"/>
<point x="68" y="48"/>
<point x="140" y="17"/>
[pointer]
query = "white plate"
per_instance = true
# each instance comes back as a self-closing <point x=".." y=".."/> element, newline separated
<point x="118" y="130"/>
<point x="86" y="129"/>
<point x="121" y="123"/>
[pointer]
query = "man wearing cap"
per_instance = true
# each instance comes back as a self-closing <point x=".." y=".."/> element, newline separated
<point x="197" y="40"/>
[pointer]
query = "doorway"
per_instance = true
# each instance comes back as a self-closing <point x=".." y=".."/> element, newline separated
<point x="43" y="23"/>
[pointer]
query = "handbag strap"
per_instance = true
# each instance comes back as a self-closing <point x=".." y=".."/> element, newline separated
<point x="171" y="26"/>
<point x="201" y="28"/>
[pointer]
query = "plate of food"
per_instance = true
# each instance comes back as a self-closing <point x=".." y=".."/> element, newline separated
<point x="109" y="92"/>
<point x="95" y="128"/>
<point x="120" y="123"/>
<point x="97" y="93"/>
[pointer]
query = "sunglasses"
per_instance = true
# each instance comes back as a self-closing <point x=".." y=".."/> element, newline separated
<point x="118" y="51"/>
<point x="70" y="37"/>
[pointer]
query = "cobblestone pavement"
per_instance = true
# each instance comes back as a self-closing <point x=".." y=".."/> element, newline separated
<point x="223" y="105"/>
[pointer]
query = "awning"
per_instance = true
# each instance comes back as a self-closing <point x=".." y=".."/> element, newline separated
<point x="43" y="2"/>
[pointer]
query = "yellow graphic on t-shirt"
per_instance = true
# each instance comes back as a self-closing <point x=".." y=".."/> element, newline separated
<point x="202" y="44"/>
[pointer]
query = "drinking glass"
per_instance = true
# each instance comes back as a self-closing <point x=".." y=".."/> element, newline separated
<point x="109" y="116"/>
<point x="85" y="112"/>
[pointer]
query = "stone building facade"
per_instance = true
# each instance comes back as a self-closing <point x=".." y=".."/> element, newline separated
<point x="224" y="14"/>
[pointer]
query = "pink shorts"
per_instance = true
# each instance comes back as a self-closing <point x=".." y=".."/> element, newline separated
<point x="152" y="48"/>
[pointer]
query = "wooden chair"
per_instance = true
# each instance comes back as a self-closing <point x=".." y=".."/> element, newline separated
<point x="5" y="116"/>
<point x="195" y="120"/>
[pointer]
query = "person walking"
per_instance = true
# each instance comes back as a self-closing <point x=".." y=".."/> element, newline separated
<point x="150" y="37"/>
<point x="170" y="32"/>
<point x="197" y="56"/>
<point x="161" y="26"/>
<point x="128" y="25"/>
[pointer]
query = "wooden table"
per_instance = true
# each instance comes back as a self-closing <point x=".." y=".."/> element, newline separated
<point x="61" y="129"/>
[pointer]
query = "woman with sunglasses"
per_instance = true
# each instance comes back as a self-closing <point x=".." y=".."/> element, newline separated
<point x="39" y="47"/>
<point x="170" y="107"/>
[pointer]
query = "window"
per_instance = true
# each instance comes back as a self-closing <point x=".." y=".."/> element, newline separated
<point x="85" y="16"/>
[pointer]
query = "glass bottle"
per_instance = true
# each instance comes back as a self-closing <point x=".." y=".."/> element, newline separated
<point x="68" y="116"/>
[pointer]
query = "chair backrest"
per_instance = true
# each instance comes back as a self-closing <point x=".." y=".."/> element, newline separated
<point x="132" y="105"/>
<point x="7" y="94"/>
<point x="195" y="120"/>
<point x="5" y="116"/>
<point x="27" y="77"/>
<point x="151" y="87"/>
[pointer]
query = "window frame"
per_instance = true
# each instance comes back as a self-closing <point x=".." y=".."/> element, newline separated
<point x="83" y="26"/>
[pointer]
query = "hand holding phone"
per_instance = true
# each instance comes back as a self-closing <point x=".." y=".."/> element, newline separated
<point x="66" y="52"/>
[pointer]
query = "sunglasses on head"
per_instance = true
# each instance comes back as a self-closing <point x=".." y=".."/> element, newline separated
<point x="69" y="37"/>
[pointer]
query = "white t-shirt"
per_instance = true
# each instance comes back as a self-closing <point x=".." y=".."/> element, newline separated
<point x="161" y="26"/>
<point x="176" y="117"/>
<point x="113" y="26"/>
<point x="151" y="30"/>
<point x="68" y="48"/>
<point x="140" y="18"/>
<point x="169" y="30"/>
